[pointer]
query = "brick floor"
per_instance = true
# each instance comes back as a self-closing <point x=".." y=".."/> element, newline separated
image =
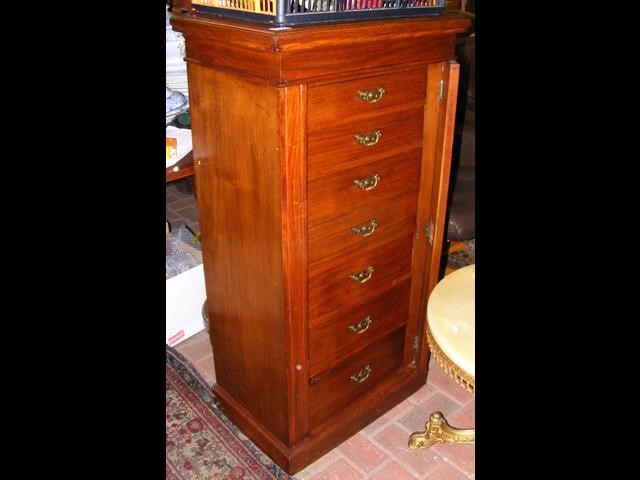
<point x="379" y="451"/>
<point x="181" y="207"/>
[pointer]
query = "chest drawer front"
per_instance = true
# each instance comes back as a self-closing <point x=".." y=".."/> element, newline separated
<point x="387" y="135"/>
<point x="332" y="195"/>
<point x="344" y="333"/>
<point x="363" y="227"/>
<point x="354" y="378"/>
<point x="341" y="102"/>
<point x="331" y="289"/>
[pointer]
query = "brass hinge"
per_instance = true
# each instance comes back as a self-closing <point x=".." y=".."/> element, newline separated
<point x="440" y="90"/>
<point x="428" y="232"/>
<point x="415" y="342"/>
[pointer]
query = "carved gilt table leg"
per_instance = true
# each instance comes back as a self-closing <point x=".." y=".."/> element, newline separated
<point x="451" y="316"/>
<point x="438" y="430"/>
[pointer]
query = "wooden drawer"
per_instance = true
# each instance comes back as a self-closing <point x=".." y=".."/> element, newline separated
<point x="330" y="195"/>
<point x="379" y="220"/>
<point x="398" y="133"/>
<point x="345" y="333"/>
<point x="333" y="392"/>
<point x="331" y="290"/>
<point x="334" y="104"/>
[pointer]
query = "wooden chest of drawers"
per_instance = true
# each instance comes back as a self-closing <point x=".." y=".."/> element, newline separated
<point x="322" y="158"/>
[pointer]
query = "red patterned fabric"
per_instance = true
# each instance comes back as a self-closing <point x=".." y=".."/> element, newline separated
<point x="201" y="442"/>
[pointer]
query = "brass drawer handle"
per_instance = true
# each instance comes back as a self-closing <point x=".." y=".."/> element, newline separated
<point x="362" y="326"/>
<point x="362" y="375"/>
<point x="366" y="229"/>
<point x="368" y="139"/>
<point x="368" y="183"/>
<point x="363" y="276"/>
<point x="371" y="96"/>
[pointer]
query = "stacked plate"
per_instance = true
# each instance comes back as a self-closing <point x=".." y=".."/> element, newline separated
<point x="176" y="103"/>
<point x="176" y="74"/>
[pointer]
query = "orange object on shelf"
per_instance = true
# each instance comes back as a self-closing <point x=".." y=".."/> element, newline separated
<point x="172" y="148"/>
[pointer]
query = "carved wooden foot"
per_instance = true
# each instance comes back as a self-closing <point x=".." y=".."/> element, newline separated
<point x="438" y="430"/>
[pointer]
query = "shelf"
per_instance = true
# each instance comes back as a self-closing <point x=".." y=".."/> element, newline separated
<point x="184" y="168"/>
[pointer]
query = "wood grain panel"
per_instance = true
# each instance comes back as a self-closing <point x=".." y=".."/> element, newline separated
<point x="335" y="193"/>
<point x="333" y="392"/>
<point x="321" y="56"/>
<point x="318" y="52"/>
<point x="331" y="289"/>
<point x="237" y="168"/>
<point x="337" y="103"/>
<point x="432" y="197"/>
<point x="331" y="340"/>
<point x="293" y="171"/>
<point x="233" y="58"/>
<point x="337" y="146"/>
<point x="394" y="217"/>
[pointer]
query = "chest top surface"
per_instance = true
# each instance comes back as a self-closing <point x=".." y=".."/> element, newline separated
<point x="285" y="55"/>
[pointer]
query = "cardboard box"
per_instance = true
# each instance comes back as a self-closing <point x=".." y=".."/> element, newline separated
<point x="185" y="292"/>
<point x="185" y="296"/>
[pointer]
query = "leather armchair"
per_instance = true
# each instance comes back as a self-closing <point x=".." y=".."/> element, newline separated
<point x="461" y="207"/>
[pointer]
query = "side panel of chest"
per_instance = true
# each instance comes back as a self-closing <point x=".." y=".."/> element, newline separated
<point x="237" y="162"/>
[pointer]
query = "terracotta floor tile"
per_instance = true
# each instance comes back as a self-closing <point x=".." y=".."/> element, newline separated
<point x="465" y="417"/>
<point x="199" y="338"/>
<point x="196" y="348"/>
<point x="461" y="456"/>
<point x="189" y="213"/>
<point x="205" y="366"/>
<point x="339" y="470"/>
<point x="394" y="440"/>
<point x="392" y="471"/>
<point x="401" y="409"/>
<point x="445" y="472"/>
<point x="415" y="419"/>
<point x="362" y="453"/>
<point x="422" y="394"/>
<point x="329" y="458"/>
<point x="182" y="203"/>
<point x="371" y="429"/>
<point x="440" y="381"/>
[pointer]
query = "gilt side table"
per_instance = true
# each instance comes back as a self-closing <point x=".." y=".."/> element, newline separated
<point x="451" y="327"/>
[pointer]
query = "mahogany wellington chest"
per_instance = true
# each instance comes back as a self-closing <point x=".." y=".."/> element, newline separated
<point x="322" y="157"/>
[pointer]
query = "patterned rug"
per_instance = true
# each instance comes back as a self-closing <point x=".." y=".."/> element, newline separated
<point x="463" y="257"/>
<point x="202" y="444"/>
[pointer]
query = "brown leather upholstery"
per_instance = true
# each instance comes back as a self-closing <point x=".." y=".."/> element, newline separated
<point x="462" y="216"/>
<point x="462" y="203"/>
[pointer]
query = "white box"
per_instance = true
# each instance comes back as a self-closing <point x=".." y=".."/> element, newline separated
<point x="185" y="295"/>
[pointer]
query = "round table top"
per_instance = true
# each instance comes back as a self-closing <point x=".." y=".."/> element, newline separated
<point x="451" y="315"/>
